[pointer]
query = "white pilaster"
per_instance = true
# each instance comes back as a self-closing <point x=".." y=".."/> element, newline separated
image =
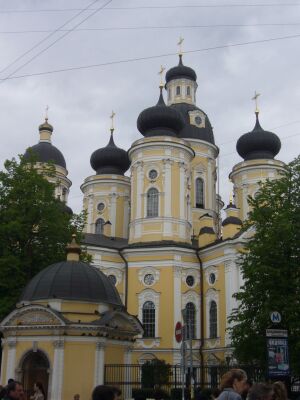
<point x="177" y="300"/>
<point x="126" y="217"/>
<point x="58" y="370"/>
<point x="90" y="213"/>
<point x="2" y="377"/>
<point x="245" y="201"/>
<point x="168" y="196"/>
<point x="113" y="212"/>
<point x="127" y="361"/>
<point x="209" y="182"/>
<point x="231" y="287"/>
<point x="99" y="364"/>
<point x="11" y="359"/>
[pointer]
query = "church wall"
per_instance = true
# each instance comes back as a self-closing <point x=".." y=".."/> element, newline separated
<point x="79" y="365"/>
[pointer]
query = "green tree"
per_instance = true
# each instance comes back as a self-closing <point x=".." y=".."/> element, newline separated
<point x="271" y="269"/>
<point x="34" y="227"/>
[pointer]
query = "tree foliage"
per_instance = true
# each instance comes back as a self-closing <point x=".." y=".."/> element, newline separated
<point x="271" y="269"/>
<point x="34" y="227"/>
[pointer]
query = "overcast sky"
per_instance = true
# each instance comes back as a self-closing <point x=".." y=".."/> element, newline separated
<point x="80" y="101"/>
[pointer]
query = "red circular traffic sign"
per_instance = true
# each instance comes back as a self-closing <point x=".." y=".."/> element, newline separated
<point x="178" y="332"/>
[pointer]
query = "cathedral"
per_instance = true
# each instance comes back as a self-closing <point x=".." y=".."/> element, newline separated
<point x="154" y="224"/>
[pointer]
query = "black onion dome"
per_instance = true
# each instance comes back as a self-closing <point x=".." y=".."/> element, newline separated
<point x="71" y="280"/>
<point x="190" y="131"/>
<point x="180" y="71"/>
<point x="232" y="220"/>
<point x="66" y="209"/>
<point x="258" y="143"/>
<point x="110" y="159"/>
<point x="46" y="152"/>
<point x="160" y="120"/>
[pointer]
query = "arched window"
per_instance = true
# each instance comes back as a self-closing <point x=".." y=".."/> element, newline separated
<point x="190" y="320"/>
<point x="188" y="91"/>
<point x="149" y="319"/>
<point x="177" y="90"/>
<point x="99" y="226"/>
<point x="199" y="193"/>
<point x="213" y="322"/>
<point x="152" y="203"/>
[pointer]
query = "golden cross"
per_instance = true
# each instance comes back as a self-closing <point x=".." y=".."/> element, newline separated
<point x="256" y="95"/>
<point x="112" y="120"/>
<point x="161" y="75"/>
<point x="46" y="113"/>
<point x="180" y="44"/>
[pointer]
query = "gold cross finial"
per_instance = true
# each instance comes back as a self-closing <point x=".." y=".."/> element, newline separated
<point x="230" y="197"/>
<point x="46" y="113"/>
<point x="180" y="45"/>
<point x="112" y="121"/>
<point x="255" y="97"/>
<point x="161" y="76"/>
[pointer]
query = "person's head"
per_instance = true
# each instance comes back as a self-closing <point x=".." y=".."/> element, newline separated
<point x="38" y="387"/>
<point x="15" y="390"/>
<point x="261" y="391"/>
<point x="235" y="379"/>
<point x="280" y="392"/>
<point x="76" y="396"/>
<point x="117" y="393"/>
<point x="10" y="381"/>
<point x="103" y="392"/>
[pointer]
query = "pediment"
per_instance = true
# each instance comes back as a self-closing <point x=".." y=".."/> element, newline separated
<point x="32" y="316"/>
<point x="121" y="321"/>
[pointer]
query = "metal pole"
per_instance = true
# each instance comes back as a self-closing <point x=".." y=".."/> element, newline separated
<point x="183" y="362"/>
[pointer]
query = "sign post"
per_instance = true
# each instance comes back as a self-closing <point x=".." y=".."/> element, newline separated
<point x="277" y="350"/>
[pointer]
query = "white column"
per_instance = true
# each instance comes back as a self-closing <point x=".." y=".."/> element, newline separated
<point x="58" y="370"/>
<point x="113" y="212"/>
<point x="126" y="217"/>
<point x="177" y="301"/>
<point x="181" y="189"/>
<point x="127" y="361"/>
<point x="99" y="364"/>
<point x="2" y="377"/>
<point x="167" y="197"/>
<point x="11" y="359"/>
<point x="245" y="200"/>
<point x="90" y="214"/>
<point x="231" y="287"/>
<point x="209" y="181"/>
<point x="138" y="202"/>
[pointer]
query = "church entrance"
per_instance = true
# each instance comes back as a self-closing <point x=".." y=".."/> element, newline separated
<point x="35" y="368"/>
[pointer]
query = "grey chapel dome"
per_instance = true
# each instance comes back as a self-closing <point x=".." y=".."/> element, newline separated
<point x="71" y="280"/>
<point x="44" y="151"/>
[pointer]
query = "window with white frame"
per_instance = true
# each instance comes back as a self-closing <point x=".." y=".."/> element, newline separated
<point x="99" y="226"/>
<point x="149" y="319"/>
<point x="152" y="203"/>
<point x="199" y="193"/>
<point x="190" y="320"/>
<point x="213" y="320"/>
<point x="177" y="90"/>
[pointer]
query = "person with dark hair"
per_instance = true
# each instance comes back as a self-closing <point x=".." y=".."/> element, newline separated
<point x="261" y="391"/>
<point x="76" y="396"/>
<point x="39" y="392"/>
<point x="10" y="380"/>
<point x="103" y="392"/>
<point x="117" y="392"/>
<point x="280" y="392"/>
<point x="233" y="384"/>
<point x="248" y="386"/>
<point x="14" y="391"/>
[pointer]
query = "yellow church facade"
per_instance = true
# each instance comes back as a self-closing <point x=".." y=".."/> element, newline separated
<point x="155" y="229"/>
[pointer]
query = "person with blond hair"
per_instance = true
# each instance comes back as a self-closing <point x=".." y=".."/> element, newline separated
<point x="233" y="384"/>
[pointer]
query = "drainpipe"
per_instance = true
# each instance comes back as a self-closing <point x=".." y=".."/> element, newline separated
<point x="201" y="319"/>
<point x="126" y="278"/>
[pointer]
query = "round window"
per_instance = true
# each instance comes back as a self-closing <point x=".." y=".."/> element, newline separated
<point x="190" y="280"/>
<point x="148" y="279"/>
<point x="212" y="278"/>
<point x="100" y="207"/>
<point x="113" y="279"/>
<point x="198" y="120"/>
<point x="153" y="174"/>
